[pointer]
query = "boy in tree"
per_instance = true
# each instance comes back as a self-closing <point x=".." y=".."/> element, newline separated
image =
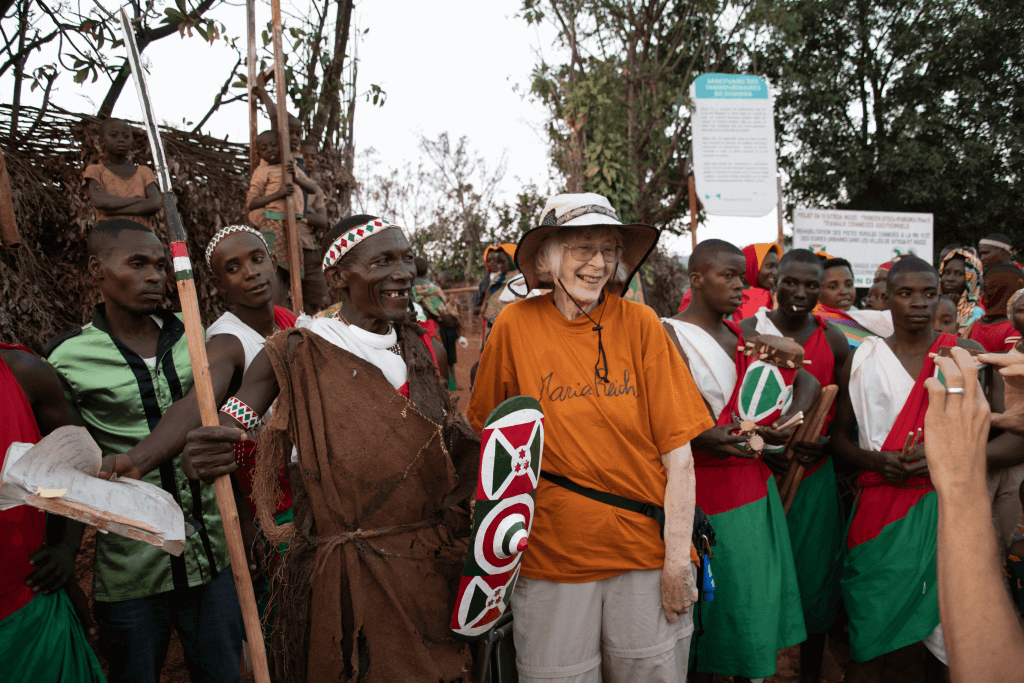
<point x="747" y="624"/>
<point x="118" y="187"/>
<point x="889" y="576"/>
<point x="267" y="204"/>
<point x="816" y="518"/>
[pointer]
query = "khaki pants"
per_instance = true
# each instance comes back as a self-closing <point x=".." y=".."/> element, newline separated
<point x="612" y="630"/>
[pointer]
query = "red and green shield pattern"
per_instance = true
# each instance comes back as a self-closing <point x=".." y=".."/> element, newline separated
<point x="512" y="445"/>
<point x="766" y="393"/>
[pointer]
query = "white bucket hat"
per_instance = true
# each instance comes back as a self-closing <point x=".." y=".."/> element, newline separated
<point x="569" y="210"/>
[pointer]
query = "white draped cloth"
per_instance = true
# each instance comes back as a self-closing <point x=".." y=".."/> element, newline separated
<point x="713" y="370"/>
<point x="373" y="348"/>
<point x="879" y="388"/>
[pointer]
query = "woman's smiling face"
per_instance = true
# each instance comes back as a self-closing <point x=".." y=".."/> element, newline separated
<point x="585" y="279"/>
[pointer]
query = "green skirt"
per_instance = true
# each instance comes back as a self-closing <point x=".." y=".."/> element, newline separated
<point x="43" y="641"/>
<point x="889" y="582"/>
<point x="816" y="528"/>
<point x="755" y="612"/>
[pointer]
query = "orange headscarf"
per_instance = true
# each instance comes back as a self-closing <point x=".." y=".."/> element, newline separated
<point x="510" y="251"/>
<point x="755" y="255"/>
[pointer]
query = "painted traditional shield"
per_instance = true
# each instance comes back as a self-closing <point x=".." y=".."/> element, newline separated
<point x="512" y="444"/>
<point x="766" y="393"/>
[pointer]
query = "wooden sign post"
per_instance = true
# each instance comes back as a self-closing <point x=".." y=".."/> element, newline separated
<point x="692" y="192"/>
<point x="200" y="364"/>
<point x="294" y="258"/>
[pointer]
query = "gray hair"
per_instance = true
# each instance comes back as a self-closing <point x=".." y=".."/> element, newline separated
<point x="549" y="256"/>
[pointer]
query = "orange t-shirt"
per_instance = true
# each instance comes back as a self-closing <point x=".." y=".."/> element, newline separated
<point x="608" y="437"/>
<point x="117" y="186"/>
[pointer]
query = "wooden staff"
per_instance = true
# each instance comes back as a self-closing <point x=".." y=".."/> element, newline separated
<point x="250" y="20"/>
<point x="778" y="186"/>
<point x="810" y="429"/>
<point x="200" y="364"/>
<point x="294" y="259"/>
<point x="692" y="192"/>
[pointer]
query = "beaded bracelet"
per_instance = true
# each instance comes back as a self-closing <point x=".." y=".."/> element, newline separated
<point x="245" y="415"/>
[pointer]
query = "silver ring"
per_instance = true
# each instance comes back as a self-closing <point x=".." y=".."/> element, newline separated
<point x="955" y="390"/>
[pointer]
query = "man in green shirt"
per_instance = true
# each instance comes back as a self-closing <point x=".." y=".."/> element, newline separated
<point x="121" y="372"/>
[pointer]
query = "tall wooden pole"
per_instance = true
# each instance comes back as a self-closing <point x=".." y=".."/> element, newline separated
<point x="294" y="259"/>
<point x="779" y="210"/>
<point x="250" y="21"/>
<point x="200" y="364"/>
<point x="692" y="192"/>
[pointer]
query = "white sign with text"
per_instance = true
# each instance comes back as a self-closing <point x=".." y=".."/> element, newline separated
<point x="866" y="239"/>
<point x="733" y="145"/>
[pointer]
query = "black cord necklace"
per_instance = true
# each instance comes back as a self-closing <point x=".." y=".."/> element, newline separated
<point x="602" y="358"/>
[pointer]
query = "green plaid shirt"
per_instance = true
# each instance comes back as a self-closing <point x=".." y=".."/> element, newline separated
<point x="121" y="399"/>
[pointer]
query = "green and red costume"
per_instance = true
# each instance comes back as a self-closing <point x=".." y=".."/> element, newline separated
<point x="754" y="613"/>
<point x="816" y="523"/>
<point x="889" y="573"/>
<point x="41" y="639"/>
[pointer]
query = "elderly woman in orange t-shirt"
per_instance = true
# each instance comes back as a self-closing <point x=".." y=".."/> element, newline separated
<point x="599" y="588"/>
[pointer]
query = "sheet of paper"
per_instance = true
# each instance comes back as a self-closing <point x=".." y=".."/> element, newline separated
<point x="69" y="460"/>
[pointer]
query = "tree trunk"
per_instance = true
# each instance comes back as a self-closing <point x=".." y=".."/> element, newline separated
<point x="19" y="68"/>
<point x="325" y="129"/>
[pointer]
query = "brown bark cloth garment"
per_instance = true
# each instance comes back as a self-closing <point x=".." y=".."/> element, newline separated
<point x="366" y="588"/>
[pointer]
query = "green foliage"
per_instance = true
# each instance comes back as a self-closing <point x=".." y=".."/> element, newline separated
<point x="903" y="105"/>
<point x="619" y="121"/>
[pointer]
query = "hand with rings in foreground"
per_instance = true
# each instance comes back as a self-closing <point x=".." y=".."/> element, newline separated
<point x="984" y="642"/>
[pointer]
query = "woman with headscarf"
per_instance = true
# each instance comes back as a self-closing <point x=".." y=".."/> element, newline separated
<point x="500" y="263"/>
<point x="993" y="330"/>
<point x="762" y="266"/>
<point x="601" y="590"/>
<point x="960" y="271"/>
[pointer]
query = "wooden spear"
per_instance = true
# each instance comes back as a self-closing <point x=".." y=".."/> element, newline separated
<point x="250" y="20"/>
<point x="294" y="259"/>
<point x="200" y="365"/>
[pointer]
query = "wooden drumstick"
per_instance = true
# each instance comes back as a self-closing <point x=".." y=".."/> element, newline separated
<point x="828" y="397"/>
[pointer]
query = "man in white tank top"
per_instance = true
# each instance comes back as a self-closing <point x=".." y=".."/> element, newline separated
<point x="244" y="270"/>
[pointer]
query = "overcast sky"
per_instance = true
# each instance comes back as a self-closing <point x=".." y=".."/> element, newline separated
<point x="447" y="66"/>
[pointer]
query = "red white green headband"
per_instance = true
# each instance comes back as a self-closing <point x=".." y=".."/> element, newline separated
<point x="351" y="238"/>
<point x="224" y="232"/>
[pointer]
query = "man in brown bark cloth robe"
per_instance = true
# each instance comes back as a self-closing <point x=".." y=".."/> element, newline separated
<point x="366" y="587"/>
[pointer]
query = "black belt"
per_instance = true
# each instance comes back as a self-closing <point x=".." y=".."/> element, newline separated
<point x="655" y="512"/>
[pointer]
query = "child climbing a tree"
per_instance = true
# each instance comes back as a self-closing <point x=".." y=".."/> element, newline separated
<point x="267" y="204"/>
<point x="118" y="187"/>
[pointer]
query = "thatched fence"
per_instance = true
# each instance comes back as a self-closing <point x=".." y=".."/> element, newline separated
<point x="44" y="289"/>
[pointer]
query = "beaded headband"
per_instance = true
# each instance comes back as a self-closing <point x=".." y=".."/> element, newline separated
<point x="996" y="243"/>
<point x="224" y="232"/>
<point x="351" y="238"/>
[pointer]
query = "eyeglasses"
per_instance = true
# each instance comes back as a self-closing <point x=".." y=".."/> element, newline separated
<point x="586" y="252"/>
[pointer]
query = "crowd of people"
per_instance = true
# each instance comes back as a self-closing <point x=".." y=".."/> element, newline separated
<point x="659" y="548"/>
